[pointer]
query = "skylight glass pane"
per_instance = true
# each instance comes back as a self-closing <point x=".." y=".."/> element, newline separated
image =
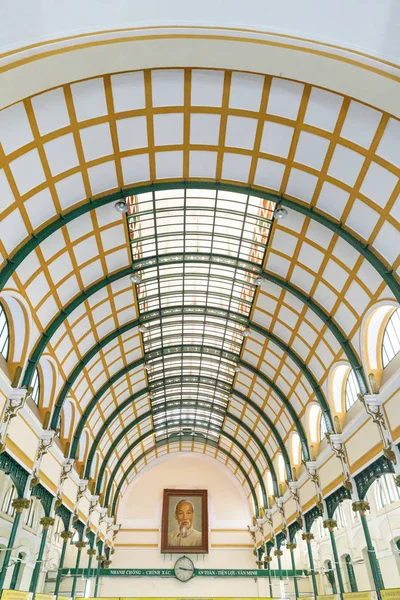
<point x="198" y="254"/>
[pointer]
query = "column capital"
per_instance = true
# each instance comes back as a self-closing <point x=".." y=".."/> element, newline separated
<point x="92" y="551"/>
<point x="291" y="546"/>
<point x="67" y="535"/>
<point x="330" y="524"/>
<point x="360" y="506"/>
<point x="308" y="537"/>
<point x="20" y="504"/>
<point x="107" y="563"/>
<point x="268" y="559"/>
<point x="100" y="557"/>
<point x="80" y="545"/>
<point x="47" y="522"/>
<point x="278" y="553"/>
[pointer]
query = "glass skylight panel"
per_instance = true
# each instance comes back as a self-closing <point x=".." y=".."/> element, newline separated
<point x="198" y="253"/>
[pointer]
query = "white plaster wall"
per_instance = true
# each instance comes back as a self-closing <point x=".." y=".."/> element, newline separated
<point x="360" y="24"/>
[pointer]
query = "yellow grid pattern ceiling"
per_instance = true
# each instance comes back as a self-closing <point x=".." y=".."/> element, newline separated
<point x="83" y="140"/>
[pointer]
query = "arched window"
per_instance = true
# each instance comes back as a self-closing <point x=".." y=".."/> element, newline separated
<point x="391" y="338"/>
<point x="322" y="428"/>
<point x="351" y="390"/>
<point x="4" y="333"/>
<point x="7" y="502"/>
<point x="317" y="528"/>
<point x="36" y="387"/>
<point x="339" y="517"/>
<point x="30" y="514"/>
<point x="315" y="419"/>
<point x="270" y="484"/>
<point x="386" y="491"/>
<point x="281" y="469"/>
<point x="296" y="449"/>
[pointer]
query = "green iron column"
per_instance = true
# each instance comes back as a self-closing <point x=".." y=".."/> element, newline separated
<point x="278" y="553"/>
<point x="330" y="524"/>
<point x="45" y="522"/>
<point x="308" y="537"/>
<point x="19" y="504"/>
<point x="65" y="535"/>
<point x="80" y="546"/>
<point x="268" y="560"/>
<point x="100" y="558"/>
<point x="351" y="574"/>
<point x="361" y="506"/>
<point x="91" y="552"/>
<point x="291" y="546"/>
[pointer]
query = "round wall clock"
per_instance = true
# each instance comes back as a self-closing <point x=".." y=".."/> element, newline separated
<point x="184" y="569"/>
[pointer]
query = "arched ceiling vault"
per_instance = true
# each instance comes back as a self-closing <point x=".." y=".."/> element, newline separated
<point x="202" y="157"/>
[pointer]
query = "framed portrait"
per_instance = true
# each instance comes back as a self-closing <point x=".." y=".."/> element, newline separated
<point x="184" y="525"/>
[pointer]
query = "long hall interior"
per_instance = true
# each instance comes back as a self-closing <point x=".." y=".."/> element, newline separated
<point x="200" y="299"/>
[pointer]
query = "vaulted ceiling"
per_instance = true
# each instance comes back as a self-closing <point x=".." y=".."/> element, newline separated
<point x="196" y="320"/>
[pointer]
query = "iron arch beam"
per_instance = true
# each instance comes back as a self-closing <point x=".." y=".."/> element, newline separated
<point x="182" y="311"/>
<point x="225" y="314"/>
<point x="106" y="386"/>
<point x="150" y="413"/>
<point x="223" y="434"/>
<point x="337" y="228"/>
<point x="195" y="438"/>
<point x="107" y="423"/>
<point x="78" y="300"/>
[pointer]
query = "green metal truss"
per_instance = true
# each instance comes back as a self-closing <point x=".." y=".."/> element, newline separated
<point x="191" y="438"/>
<point x="150" y="414"/>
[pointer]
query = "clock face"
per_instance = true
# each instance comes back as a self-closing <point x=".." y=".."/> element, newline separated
<point x="184" y="569"/>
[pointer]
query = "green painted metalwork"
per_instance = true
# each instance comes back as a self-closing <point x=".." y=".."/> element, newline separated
<point x="344" y="342"/>
<point x="337" y="228"/>
<point x="350" y="573"/>
<point x="373" y="561"/>
<point x="337" y="563"/>
<point x="60" y="318"/>
<point x="60" y="567"/>
<point x="364" y="479"/>
<point x="10" y="546"/>
<point x="38" y="563"/>
<point x="147" y="434"/>
<point x="91" y="405"/>
<point x="18" y="475"/>
<point x="84" y="361"/>
<point x="100" y="547"/>
<point x="107" y="423"/>
<point x="191" y="438"/>
<point x="334" y="499"/>
<point x="44" y="496"/>
<point x="386" y="274"/>
<point x="114" y="334"/>
<point x="331" y="577"/>
<point x="312" y="569"/>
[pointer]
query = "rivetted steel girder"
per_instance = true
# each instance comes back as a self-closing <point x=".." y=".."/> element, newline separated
<point x="127" y="402"/>
<point x="161" y="410"/>
<point x="193" y="423"/>
<point x="191" y="438"/>
<point x="106" y="386"/>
